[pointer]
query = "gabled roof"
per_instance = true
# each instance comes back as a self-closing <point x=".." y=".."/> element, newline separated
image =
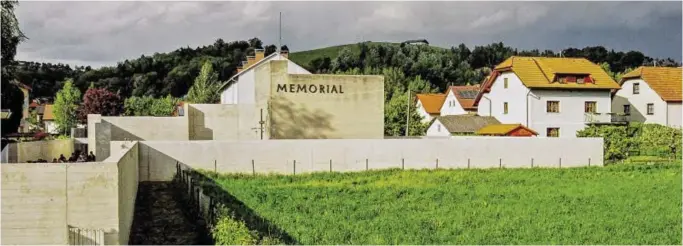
<point x="466" y="123"/>
<point x="244" y="70"/>
<point x="465" y="95"/>
<point x="540" y="72"/>
<point x="502" y="129"/>
<point x="665" y="81"/>
<point x="431" y="102"/>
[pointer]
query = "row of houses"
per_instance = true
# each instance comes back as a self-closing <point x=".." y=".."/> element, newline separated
<point x="553" y="97"/>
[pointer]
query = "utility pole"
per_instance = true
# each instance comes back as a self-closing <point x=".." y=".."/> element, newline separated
<point x="261" y="123"/>
<point x="408" y="114"/>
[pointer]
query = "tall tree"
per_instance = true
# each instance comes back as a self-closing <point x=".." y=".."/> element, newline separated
<point x="66" y="106"/>
<point x="205" y="87"/>
<point x="11" y="96"/>
<point x="99" y="101"/>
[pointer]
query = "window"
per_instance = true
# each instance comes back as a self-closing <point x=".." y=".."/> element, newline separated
<point x="590" y="107"/>
<point x="438" y="128"/>
<point x="505" y="82"/>
<point x="505" y="108"/>
<point x="650" y="108"/>
<point x="636" y="88"/>
<point x="553" y="106"/>
<point x="627" y="109"/>
<point x="553" y="132"/>
<point x="580" y="80"/>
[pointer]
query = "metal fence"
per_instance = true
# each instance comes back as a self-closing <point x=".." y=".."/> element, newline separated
<point x="81" y="236"/>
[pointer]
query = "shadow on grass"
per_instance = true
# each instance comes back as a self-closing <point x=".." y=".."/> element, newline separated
<point x="236" y="208"/>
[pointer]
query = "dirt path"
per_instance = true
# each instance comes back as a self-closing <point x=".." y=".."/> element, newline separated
<point x="162" y="219"/>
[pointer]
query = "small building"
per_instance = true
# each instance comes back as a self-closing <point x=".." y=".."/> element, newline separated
<point x="48" y="119"/>
<point x="458" y="125"/>
<point x="416" y="42"/>
<point x="651" y="95"/>
<point x="459" y="100"/>
<point x="429" y="105"/>
<point x="513" y="130"/>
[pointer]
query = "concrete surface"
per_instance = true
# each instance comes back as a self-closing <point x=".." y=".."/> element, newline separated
<point x="46" y="150"/>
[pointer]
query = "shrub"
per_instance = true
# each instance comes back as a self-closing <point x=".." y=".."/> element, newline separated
<point x="228" y="231"/>
<point x="636" y="139"/>
<point x="270" y="241"/>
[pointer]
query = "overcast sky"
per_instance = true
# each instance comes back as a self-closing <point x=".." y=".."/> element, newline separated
<point x="102" y="33"/>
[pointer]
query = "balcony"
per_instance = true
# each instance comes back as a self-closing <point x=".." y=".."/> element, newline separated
<point x="605" y="118"/>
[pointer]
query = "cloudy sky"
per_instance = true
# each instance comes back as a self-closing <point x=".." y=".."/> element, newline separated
<point x="102" y="33"/>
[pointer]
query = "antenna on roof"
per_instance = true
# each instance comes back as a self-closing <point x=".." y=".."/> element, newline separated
<point x="279" y="36"/>
<point x="655" y="63"/>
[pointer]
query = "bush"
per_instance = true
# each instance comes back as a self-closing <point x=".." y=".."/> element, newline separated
<point x="228" y="231"/>
<point x="636" y="139"/>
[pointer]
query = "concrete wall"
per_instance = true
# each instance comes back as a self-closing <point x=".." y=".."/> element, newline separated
<point x="158" y="158"/>
<point x="46" y="150"/>
<point x="355" y="109"/>
<point x="103" y="130"/>
<point x="222" y="122"/>
<point x="40" y="201"/>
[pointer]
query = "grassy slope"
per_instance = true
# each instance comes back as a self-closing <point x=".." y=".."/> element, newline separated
<point x="612" y="205"/>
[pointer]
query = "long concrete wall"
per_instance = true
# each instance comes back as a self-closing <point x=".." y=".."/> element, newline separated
<point x="40" y="201"/>
<point x="158" y="158"/>
<point x="46" y="150"/>
<point x="221" y="122"/>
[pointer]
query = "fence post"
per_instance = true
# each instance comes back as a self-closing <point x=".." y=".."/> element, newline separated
<point x="253" y="168"/>
<point x="215" y="169"/>
<point x="330" y="165"/>
<point x="500" y="162"/>
<point x="589" y="162"/>
<point x="437" y="163"/>
<point x="560" y="162"/>
<point x="468" y="163"/>
<point x="403" y="163"/>
<point x="366" y="164"/>
<point x="532" y="162"/>
<point x="294" y="167"/>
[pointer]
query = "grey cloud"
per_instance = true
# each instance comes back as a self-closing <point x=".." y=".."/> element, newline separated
<point x="101" y="33"/>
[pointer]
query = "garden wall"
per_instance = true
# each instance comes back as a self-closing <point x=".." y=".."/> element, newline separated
<point x="41" y="201"/>
<point x="158" y="158"/>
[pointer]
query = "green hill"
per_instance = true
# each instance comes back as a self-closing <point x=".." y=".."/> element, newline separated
<point x="304" y="58"/>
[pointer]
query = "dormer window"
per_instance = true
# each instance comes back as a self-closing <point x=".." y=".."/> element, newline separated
<point x="573" y="78"/>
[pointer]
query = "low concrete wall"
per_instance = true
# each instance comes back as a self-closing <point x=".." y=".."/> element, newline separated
<point x="222" y="122"/>
<point x="158" y="158"/>
<point x="41" y="200"/>
<point x="46" y="150"/>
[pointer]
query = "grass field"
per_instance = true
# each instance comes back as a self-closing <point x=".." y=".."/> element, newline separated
<point x="620" y="204"/>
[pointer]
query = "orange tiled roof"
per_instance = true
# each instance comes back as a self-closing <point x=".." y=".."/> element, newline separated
<point x="502" y="129"/>
<point x="432" y="102"/>
<point x="47" y="114"/>
<point x="539" y="72"/>
<point x="467" y="101"/>
<point x="665" y="81"/>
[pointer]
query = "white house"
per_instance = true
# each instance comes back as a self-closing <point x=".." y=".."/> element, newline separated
<point x="459" y="100"/>
<point x="555" y="97"/>
<point x="241" y="88"/>
<point x="450" y="125"/>
<point x="429" y="105"/>
<point x="651" y="95"/>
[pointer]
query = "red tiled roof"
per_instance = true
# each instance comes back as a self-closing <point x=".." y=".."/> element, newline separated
<point x="465" y="102"/>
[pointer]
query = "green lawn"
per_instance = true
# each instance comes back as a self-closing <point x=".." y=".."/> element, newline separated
<point x="620" y="204"/>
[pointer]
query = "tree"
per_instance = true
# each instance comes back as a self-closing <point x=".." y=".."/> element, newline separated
<point x="149" y="106"/>
<point x="66" y="106"/>
<point x="99" y="101"/>
<point x="12" y="97"/>
<point x="205" y="87"/>
<point x="395" y="116"/>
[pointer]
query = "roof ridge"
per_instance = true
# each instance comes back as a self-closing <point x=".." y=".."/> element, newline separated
<point x="541" y="69"/>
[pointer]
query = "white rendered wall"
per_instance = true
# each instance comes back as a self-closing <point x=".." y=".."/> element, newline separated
<point x="515" y="95"/>
<point x="437" y="129"/>
<point x="484" y="106"/>
<point x="423" y="113"/>
<point x="675" y="114"/>
<point x="571" y="117"/>
<point x="639" y="103"/>
<point x="451" y="106"/>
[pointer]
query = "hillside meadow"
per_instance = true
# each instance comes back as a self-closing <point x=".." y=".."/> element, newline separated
<point x="619" y="204"/>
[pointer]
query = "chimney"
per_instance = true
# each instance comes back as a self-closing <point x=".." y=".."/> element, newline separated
<point x="284" y="54"/>
<point x="250" y="61"/>
<point x="259" y="54"/>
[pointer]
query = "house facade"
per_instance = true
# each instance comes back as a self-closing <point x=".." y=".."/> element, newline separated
<point x="429" y="106"/>
<point x="651" y="95"/>
<point x="241" y="88"/>
<point x="459" y="100"/>
<point x="555" y="97"/>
